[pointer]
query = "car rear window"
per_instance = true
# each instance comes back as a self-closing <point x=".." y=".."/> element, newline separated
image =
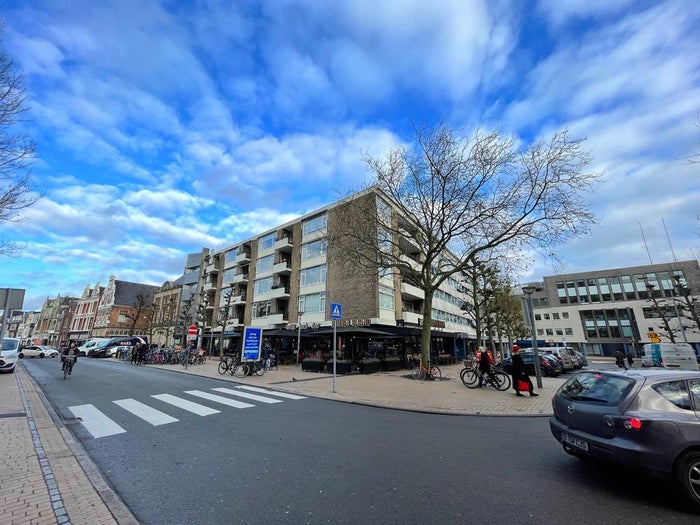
<point x="597" y="388"/>
<point x="676" y="392"/>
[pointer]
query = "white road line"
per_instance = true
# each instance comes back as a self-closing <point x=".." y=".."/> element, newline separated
<point x="219" y="399"/>
<point x="148" y="414"/>
<point x="271" y="392"/>
<point x="95" y="421"/>
<point x="246" y="395"/>
<point x="186" y="404"/>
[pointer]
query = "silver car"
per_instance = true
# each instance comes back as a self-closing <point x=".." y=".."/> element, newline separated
<point x="647" y="419"/>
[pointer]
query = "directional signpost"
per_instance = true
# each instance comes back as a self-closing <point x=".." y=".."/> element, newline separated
<point x="336" y="314"/>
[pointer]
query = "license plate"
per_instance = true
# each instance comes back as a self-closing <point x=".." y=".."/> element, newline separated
<point x="574" y="441"/>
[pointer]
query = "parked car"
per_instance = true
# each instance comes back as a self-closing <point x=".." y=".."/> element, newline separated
<point x="670" y="355"/>
<point x="109" y="348"/>
<point x="644" y="419"/>
<point x="37" y="351"/>
<point x="547" y="367"/>
<point x="583" y="361"/>
<point x="562" y="353"/>
<point x="9" y="354"/>
<point x="88" y="345"/>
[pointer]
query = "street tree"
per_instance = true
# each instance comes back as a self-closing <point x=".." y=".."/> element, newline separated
<point x="17" y="151"/>
<point x="141" y="312"/>
<point x="455" y="198"/>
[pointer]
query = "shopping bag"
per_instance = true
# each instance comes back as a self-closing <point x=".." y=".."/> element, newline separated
<point x="523" y="386"/>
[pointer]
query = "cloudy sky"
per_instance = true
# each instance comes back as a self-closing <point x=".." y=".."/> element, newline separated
<point x="166" y="126"/>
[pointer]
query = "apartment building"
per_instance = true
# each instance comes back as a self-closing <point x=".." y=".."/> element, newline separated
<point x="605" y="310"/>
<point x="284" y="280"/>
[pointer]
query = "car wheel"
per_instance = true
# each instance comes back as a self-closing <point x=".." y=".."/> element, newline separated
<point x="21" y="355"/>
<point x="687" y="473"/>
<point x="41" y="356"/>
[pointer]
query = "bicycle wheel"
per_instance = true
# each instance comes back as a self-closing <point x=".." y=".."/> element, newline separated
<point x="223" y="367"/>
<point x="500" y="381"/>
<point x="435" y="373"/>
<point x="471" y="379"/>
<point x="242" y="370"/>
<point x="261" y="370"/>
<point x="65" y="370"/>
<point x="418" y="373"/>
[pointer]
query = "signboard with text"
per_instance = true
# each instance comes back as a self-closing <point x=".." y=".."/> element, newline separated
<point x="252" y="342"/>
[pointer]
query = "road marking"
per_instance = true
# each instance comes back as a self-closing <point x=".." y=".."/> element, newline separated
<point x="186" y="404"/>
<point x="246" y="395"/>
<point x="95" y="422"/>
<point x="219" y="399"/>
<point x="271" y="392"/>
<point x="148" y="414"/>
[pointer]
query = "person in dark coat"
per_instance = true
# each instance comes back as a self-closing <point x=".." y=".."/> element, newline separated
<point x="519" y="373"/>
<point x="485" y="362"/>
<point x="620" y="359"/>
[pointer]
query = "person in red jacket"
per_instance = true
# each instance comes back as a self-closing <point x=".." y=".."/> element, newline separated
<point x="519" y="373"/>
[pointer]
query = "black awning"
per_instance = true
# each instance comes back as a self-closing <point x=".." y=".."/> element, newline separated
<point x="352" y="330"/>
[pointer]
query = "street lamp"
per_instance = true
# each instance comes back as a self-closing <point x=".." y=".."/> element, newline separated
<point x="528" y="291"/>
<point x="299" y="314"/>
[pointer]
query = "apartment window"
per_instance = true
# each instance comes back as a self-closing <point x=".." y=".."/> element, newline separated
<point x="230" y="256"/>
<point x="229" y="275"/>
<point x="555" y="315"/>
<point x="312" y="276"/>
<point x="264" y="264"/>
<point x="314" y="224"/>
<point x="312" y="303"/>
<point x="565" y="315"/>
<point x="314" y="249"/>
<point x="546" y="316"/>
<point x="569" y="331"/>
<point x="550" y="331"/>
<point x="261" y="309"/>
<point x="122" y="316"/>
<point x="267" y="242"/>
<point x="558" y="331"/>
<point x="538" y="317"/>
<point x="386" y="298"/>
<point x="263" y="285"/>
<point x="540" y="331"/>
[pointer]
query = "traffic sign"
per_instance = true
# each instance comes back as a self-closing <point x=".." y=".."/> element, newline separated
<point x="336" y="311"/>
<point x="192" y="330"/>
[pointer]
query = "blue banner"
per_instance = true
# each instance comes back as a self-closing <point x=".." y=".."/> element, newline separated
<point x="252" y="342"/>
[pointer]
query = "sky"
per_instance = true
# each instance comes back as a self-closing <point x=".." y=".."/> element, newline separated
<point x="166" y="126"/>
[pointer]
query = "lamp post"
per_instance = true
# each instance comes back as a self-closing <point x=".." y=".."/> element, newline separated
<point x="299" y="314"/>
<point x="528" y="291"/>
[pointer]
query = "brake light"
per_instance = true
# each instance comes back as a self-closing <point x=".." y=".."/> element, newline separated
<point x="628" y="423"/>
<point x="633" y="423"/>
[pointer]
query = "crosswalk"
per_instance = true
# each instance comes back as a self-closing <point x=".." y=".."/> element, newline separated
<point x="99" y="425"/>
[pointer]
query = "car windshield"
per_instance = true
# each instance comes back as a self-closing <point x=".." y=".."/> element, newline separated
<point x="597" y="387"/>
<point x="10" y="344"/>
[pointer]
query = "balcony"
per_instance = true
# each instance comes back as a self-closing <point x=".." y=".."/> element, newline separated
<point x="240" y="278"/>
<point x="238" y="299"/>
<point x="412" y="292"/>
<point x="211" y="269"/>
<point x="412" y="318"/>
<point x="282" y="268"/>
<point x="273" y="319"/>
<point x="243" y="257"/>
<point x="284" y="244"/>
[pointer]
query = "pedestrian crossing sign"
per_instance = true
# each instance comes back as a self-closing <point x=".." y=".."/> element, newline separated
<point x="336" y="311"/>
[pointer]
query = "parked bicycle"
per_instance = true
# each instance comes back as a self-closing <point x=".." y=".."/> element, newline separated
<point x="420" y="371"/>
<point x="250" y="368"/>
<point x="228" y="363"/>
<point x="472" y="377"/>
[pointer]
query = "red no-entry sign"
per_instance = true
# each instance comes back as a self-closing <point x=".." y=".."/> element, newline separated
<point x="192" y="330"/>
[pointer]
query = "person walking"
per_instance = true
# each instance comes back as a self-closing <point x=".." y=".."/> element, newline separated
<point x="519" y="373"/>
<point x="485" y="362"/>
<point x="620" y="359"/>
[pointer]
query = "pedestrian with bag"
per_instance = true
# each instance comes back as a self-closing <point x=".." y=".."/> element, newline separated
<point x="620" y="359"/>
<point x="521" y="381"/>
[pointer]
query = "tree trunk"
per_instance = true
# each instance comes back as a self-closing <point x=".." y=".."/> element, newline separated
<point x="427" y="325"/>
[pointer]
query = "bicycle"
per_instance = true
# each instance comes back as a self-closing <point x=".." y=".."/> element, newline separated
<point x="228" y="364"/>
<point x="67" y="366"/>
<point x="421" y="372"/>
<point x="245" y="369"/>
<point x="473" y="378"/>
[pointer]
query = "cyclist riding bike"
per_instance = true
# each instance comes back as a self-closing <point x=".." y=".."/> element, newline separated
<point x="69" y="357"/>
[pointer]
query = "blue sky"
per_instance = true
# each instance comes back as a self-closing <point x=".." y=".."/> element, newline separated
<point x="163" y="127"/>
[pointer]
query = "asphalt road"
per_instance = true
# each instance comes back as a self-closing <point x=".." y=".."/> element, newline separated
<point x="318" y="461"/>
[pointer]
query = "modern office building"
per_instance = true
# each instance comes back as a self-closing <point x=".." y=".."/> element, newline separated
<point x="284" y="280"/>
<point x="605" y="310"/>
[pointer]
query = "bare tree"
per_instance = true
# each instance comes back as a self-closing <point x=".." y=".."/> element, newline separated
<point x="141" y="314"/>
<point x="17" y="151"/>
<point x="437" y="207"/>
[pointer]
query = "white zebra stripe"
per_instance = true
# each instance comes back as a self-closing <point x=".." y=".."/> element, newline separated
<point x="271" y="392"/>
<point x="95" y="422"/>
<point x="246" y="395"/>
<point x="219" y="399"/>
<point x="148" y="414"/>
<point x="186" y="404"/>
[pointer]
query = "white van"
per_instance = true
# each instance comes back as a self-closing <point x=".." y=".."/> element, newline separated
<point x="90" y="344"/>
<point x="670" y="355"/>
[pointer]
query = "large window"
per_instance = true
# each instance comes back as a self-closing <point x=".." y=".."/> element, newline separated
<point x="230" y="255"/>
<point x="263" y="285"/>
<point x="262" y="309"/>
<point x="229" y="275"/>
<point x="312" y="303"/>
<point x="314" y="249"/>
<point x="314" y="224"/>
<point x="312" y="276"/>
<point x="264" y="264"/>
<point x="386" y="298"/>
<point x="267" y="242"/>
